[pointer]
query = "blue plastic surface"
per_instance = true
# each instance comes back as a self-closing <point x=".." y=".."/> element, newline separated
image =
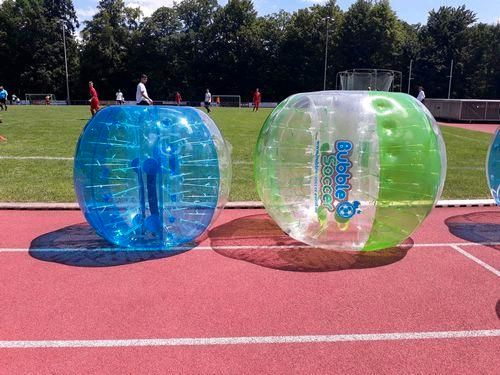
<point x="150" y="177"/>
<point x="493" y="167"/>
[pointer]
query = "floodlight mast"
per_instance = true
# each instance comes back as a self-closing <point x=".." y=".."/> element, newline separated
<point x="65" y="63"/>
<point x="326" y="51"/>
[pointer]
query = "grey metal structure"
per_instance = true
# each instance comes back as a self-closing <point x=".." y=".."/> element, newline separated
<point x="369" y="80"/>
<point x="464" y="109"/>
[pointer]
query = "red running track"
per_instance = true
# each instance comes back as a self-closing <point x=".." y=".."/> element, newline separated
<point x="485" y="128"/>
<point x="250" y="283"/>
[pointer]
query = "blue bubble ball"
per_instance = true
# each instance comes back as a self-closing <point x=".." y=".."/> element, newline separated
<point x="151" y="177"/>
<point x="493" y="167"/>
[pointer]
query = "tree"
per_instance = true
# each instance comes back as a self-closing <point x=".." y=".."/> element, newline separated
<point x="442" y="39"/>
<point x="372" y="36"/>
<point x="482" y="68"/>
<point x="108" y="41"/>
<point x="159" y="50"/>
<point x="32" y="45"/>
<point x="302" y="51"/>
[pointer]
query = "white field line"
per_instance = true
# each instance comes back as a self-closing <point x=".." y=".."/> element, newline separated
<point x="211" y="341"/>
<point x="34" y="158"/>
<point x="237" y="162"/>
<point x="236" y="247"/>
<point x="477" y="260"/>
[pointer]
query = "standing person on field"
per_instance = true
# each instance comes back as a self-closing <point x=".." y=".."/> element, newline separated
<point x="178" y="98"/>
<point x="421" y="95"/>
<point x="208" y="100"/>
<point x="141" y="95"/>
<point x="256" y="100"/>
<point x="3" y="98"/>
<point x="119" y="97"/>
<point x="2" y="138"/>
<point x="94" y="99"/>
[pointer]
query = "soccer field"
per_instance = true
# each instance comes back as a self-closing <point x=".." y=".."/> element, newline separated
<point x="36" y="161"/>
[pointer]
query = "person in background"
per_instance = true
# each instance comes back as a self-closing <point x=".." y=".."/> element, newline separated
<point x="3" y="98"/>
<point x="119" y="97"/>
<point x="2" y="138"/>
<point x="94" y="99"/>
<point x="47" y="100"/>
<point x="256" y="100"/>
<point x="421" y="95"/>
<point x="141" y="95"/>
<point x="178" y="98"/>
<point x="14" y="99"/>
<point x="208" y="100"/>
<point x="217" y="101"/>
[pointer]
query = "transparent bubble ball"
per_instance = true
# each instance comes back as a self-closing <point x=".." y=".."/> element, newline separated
<point x="493" y="167"/>
<point x="350" y="170"/>
<point x="151" y="177"/>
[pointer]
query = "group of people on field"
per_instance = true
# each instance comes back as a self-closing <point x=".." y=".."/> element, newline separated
<point x="142" y="97"/>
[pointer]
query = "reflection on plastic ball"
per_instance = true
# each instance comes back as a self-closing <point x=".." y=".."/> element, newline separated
<point x="354" y="171"/>
<point x="493" y="167"/>
<point x="151" y="177"/>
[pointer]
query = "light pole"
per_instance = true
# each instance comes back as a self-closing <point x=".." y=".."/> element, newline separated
<point x="450" y="76"/>
<point x="409" y="76"/>
<point x="65" y="63"/>
<point x="326" y="52"/>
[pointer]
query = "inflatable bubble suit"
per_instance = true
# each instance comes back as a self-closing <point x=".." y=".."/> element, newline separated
<point x="493" y="167"/>
<point x="151" y="177"/>
<point x="350" y="170"/>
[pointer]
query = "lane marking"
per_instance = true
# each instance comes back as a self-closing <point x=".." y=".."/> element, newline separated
<point x="230" y="247"/>
<point x="477" y="260"/>
<point x="210" y="341"/>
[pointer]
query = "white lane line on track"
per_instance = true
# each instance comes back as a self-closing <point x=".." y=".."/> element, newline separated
<point x="237" y="162"/>
<point x="477" y="260"/>
<point x="210" y="341"/>
<point x="235" y="247"/>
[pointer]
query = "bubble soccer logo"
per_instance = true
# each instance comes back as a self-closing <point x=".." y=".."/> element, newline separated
<point x="335" y="180"/>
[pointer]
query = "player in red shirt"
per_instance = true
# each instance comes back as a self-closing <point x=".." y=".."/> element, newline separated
<point x="256" y="100"/>
<point x="94" y="99"/>
<point x="178" y="98"/>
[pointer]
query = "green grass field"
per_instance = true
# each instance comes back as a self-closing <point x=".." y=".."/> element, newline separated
<point x="38" y="131"/>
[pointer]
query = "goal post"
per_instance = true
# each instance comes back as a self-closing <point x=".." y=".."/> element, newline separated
<point x="39" y="99"/>
<point x="227" y="100"/>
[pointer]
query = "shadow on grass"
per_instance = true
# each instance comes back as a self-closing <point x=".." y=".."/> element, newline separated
<point x="257" y="239"/>
<point x="79" y="245"/>
<point x="479" y="227"/>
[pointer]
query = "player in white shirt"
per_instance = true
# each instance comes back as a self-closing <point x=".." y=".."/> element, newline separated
<point x="421" y="94"/>
<point x="141" y="95"/>
<point x="208" y="100"/>
<point x="119" y="97"/>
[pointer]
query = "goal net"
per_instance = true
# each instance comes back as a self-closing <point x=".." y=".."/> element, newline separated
<point x="369" y="79"/>
<point x="226" y="100"/>
<point x="40" y="99"/>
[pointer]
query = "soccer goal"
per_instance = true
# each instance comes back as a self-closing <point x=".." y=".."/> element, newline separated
<point x="227" y="100"/>
<point x="40" y="99"/>
<point x="369" y="79"/>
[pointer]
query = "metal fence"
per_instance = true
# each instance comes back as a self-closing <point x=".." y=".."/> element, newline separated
<point x="464" y="109"/>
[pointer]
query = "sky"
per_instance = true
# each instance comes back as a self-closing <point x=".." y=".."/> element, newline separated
<point x="411" y="11"/>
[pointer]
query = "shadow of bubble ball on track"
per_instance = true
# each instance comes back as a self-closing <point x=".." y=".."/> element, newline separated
<point x="479" y="227"/>
<point x="79" y="245"/>
<point x="259" y="240"/>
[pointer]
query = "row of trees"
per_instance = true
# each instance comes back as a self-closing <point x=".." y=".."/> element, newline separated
<point x="198" y="43"/>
